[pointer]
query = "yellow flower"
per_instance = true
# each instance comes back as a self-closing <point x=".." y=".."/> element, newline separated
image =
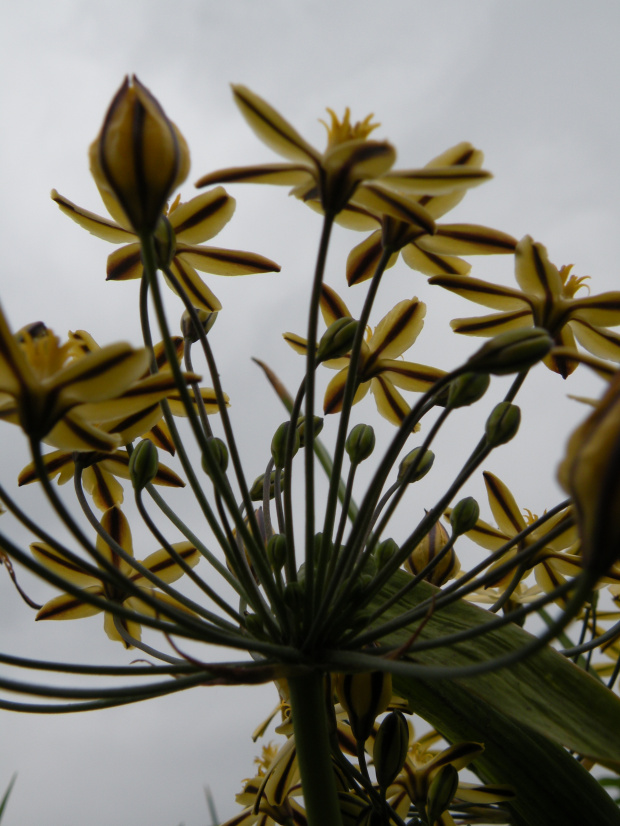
<point x="351" y="169"/>
<point x="589" y="472"/>
<point x="67" y="606"/>
<point x="52" y="397"/>
<point x="381" y="370"/>
<point x="547" y="299"/>
<point x="189" y="224"/>
<point x="139" y="157"/>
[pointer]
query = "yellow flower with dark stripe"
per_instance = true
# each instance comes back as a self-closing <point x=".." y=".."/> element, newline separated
<point x="67" y="606"/>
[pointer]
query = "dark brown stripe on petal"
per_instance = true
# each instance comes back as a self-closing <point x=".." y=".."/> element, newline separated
<point x="395" y="330"/>
<point x="54" y="611"/>
<point x="57" y="559"/>
<point x="169" y="562"/>
<point x="495" y="490"/>
<point x="125" y="263"/>
<point x="330" y="299"/>
<point x="202" y="214"/>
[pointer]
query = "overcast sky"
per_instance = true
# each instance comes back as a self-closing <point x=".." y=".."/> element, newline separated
<point x="534" y="84"/>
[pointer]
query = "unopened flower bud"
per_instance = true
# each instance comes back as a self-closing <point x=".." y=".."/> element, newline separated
<point x="276" y="551"/>
<point x="143" y="464"/>
<point x="512" y="351"/>
<point x="464" y="515"/>
<point x="467" y="389"/>
<point x="256" y="491"/>
<point x="503" y="423"/>
<point x="423" y="461"/>
<point x="278" y="443"/>
<point x="360" y="443"/>
<point x="390" y="748"/>
<point x="364" y="696"/>
<point x="188" y="328"/>
<point x="140" y="157"/>
<point x="337" y="340"/>
<point x="427" y="550"/>
<point x="317" y="424"/>
<point x="217" y="452"/>
<point x="441" y="792"/>
<point x="384" y="552"/>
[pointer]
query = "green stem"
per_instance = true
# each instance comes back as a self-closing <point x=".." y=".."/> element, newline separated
<point x="309" y="712"/>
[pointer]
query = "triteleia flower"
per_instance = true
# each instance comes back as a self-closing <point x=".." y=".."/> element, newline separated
<point x="67" y="606"/>
<point x="381" y="370"/>
<point x="139" y="157"/>
<point x="589" y="472"/>
<point x="352" y="167"/>
<point x="547" y="299"/>
<point x="188" y="225"/>
<point x="45" y="392"/>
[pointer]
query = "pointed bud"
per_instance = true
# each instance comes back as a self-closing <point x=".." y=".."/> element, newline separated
<point x="384" y="552"/>
<point x="467" y="389"/>
<point x="140" y="157"/>
<point x="428" y="549"/>
<point x="317" y="423"/>
<point x="503" y="423"/>
<point x="143" y="464"/>
<point x="337" y="340"/>
<point x="278" y="444"/>
<point x="360" y="443"/>
<point x="415" y="465"/>
<point x="512" y="352"/>
<point x="276" y="551"/>
<point x="216" y="453"/>
<point x="390" y="748"/>
<point x="464" y="515"/>
<point x="364" y="696"/>
<point x="441" y="792"/>
<point x="256" y="491"/>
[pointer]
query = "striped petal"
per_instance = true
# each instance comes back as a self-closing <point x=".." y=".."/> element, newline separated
<point x="95" y="224"/>
<point x="483" y="292"/>
<point x="225" y="262"/>
<point x="332" y="306"/>
<point x="132" y="628"/>
<point x="163" y="565"/>
<point x="57" y="463"/>
<point x="334" y="393"/>
<point x="177" y="407"/>
<point x="72" y="432"/>
<point x="390" y="403"/>
<point x="298" y="343"/>
<point x="601" y="310"/>
<point x="534" y="272"/>
<point x="202" y="217"/>
<point x="397" y="331"/>
<point x="195" y="288"/>
<point x="435" y="180"/>
<point x="492" y="325"/>
<point x="353" y="217"/>
<point x="503" y="506"/>
<point x="115" y="523"/>
<point x="105" y="490"/>
<point x="15" y="372"/>
<point x="363" y="259"/>
<point x="100" y="375"/>
<point x="272" y="128"/>
<point x="409" y="376"/>
<point x="118" y="465"/>
<point x="385" y="201"/>
<point x="467" y="239"/>
<point x="602" y="343"/>
<point x="125" y="264"/>
<point x="279" y="174"/>
<point x="429" y="263"/>
<point x="67" y="607"/>
<point x="462" y="154"/>
<point x="58" y="564"/>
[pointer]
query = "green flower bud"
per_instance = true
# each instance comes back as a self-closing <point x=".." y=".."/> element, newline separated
<point x="390" y="748"/>
<point x="433" y="544"/>
<point x="276" y="551"/>
<point x="441" y="792"/>
<point x="512" y="351"/>
<point x="360" y="443"/>
<point x="143" y="464"/>
<point x="467" y="389"/>
<point x="317" y="423"/>
<point x="256" y="491"/>
<point x="423" y="461"/>
<point x="188" y="328"/>
<point x="337" y="340"/>
<point x="464" y="515"/>
<point x="165" y="242"/>
<point x="278" y="443"/>
<point x="364" y="696"/>
<point x="384" y="552"/>
<point x="503" y="423"/>
<point x="216" y="450"/>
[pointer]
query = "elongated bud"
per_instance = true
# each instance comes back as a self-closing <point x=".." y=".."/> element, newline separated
<point x="360" y="443"/>
<point x="278" y="443"/>
<point x="143" y="464"/>
<point x="390" y="749"/>
<point x="512" y="351"/>
<point x="364" y="696"/>
<point x="428" y="549"/>
<point x="256" y="491"/>
<point x="317" y="425"/>
<point x="503" y="423"/>
<point x="276" y="551"/>
<point x="337" y="340"/>
<point x="140" y="157"/>
<point x="467" y="389"/>
<point x="441" y="792"/>
<point x="207" y="320"/>
<point x="423" y="462"/>
<point x="464" y="515"/>
<point x="217" y="453"/>
<point x="384" y="552"/>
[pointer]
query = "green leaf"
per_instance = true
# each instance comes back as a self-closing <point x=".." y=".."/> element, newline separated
<point x="546" y="692"/>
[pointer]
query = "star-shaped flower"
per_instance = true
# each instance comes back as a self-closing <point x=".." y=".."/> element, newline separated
<point x="189" y="224"/>
<point x="381" y="370"/>
<point x="67" y="606"/>
<point x="352" y="167"/>
<point x="547" y="299"/>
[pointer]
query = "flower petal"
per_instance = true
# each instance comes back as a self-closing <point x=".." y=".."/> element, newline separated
<point x="332" y="306"/>
<point x="534" y="272"/>
<point x="363" y="259"/>
<point x="334" y="393"/>
<point x="66" y="568"/>
<point x="503" y="506"/>
<point x="202" y="217"/>
<point x="409" y="376"/>
<point x="163" y="565"/>
<point x="100" y="375"/>
<point x="467" y="239"/>
<point x="429" y="263"/>
<point x="435" y="180"/>
<point x="95" y="224"/>
<point x="196" y="289"/>
<point x="483" y="292"/>
<point x="102" y="486"/>
<point x="67" y="607"/>
<point x="599" y="310"/>
<point x="72" y="432"/>
<point x="177" y="406"/>
<point x="602" y="343"/>
<point x="125" y="263"/>
<point x="390" y="403"/>
<point x="493" y="324"/>
<point x="396" y="331"/>
<point x="225" y="262"/>
<point x="381" y="199"/>
<point x="279" y="174"/>
<point x="298" y="343"/>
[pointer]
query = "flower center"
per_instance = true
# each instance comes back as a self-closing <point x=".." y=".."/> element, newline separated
<point x="341" y="131"/>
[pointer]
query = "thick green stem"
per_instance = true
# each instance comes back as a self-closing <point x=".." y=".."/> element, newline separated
<point x="309" y="712"/>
